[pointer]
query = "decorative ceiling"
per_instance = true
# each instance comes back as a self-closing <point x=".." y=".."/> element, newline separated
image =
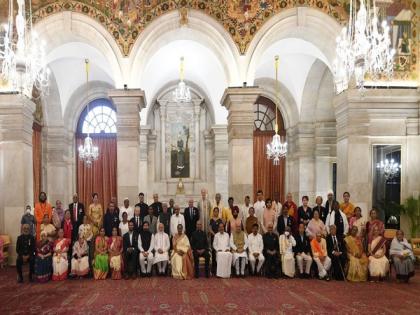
<point x="126" y="19"/>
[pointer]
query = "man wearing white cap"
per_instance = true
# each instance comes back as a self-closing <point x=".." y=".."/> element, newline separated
<point x="127" y="208"/>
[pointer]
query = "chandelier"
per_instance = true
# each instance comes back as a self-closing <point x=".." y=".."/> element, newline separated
<point x="276" y="149"/>
<point x="363" y="48"/>
<point x="182" y="92"/>
<point x="88" y="152"/>
<point x="22" y="55"/>
<point x="389" y="167"/>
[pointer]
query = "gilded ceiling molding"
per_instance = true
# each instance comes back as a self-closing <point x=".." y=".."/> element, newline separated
<point x="126" y="19"/>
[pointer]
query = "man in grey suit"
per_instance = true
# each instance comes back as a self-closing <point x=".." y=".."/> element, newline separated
<point x="152" y="220"/>
<point x="204" y="208"/>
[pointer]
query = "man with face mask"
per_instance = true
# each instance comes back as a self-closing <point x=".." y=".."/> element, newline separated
<point x="28" y="219"/>
<point x="42" y="208"/>
<point x="287" y="242"/>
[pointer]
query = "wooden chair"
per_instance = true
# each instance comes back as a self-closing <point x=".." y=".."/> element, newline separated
<point x="389" y="234"/>
<point x="415" y="242"/>
<point x="6" y="244"/>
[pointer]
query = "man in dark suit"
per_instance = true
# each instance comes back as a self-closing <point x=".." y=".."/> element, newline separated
<point x="303" y="252"/>
<point x="200" y="247"/>
<point x="284" y="220"/>
<point x="191" y="216"/>
<point x="336" y="248"/>
<point x="271" y="253"/>
<point x="143" y="206"/>
<point x="111" y="219"/>
<point x="156" y="205"/>
<point x="130" y="244"/>
<point x="137" y="220"/>
<point x="25" y="250"/>
<point x="77" y="210"/>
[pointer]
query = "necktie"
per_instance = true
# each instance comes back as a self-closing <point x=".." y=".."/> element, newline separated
<point x="75" y="211"/>
<point x="137" y="221"/>
<point x="335" y="242"/>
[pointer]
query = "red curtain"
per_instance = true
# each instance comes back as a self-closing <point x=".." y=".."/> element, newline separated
<point x="37" y="159"/>
<point x="267" y="177"/>
<point x="101" y="177"/>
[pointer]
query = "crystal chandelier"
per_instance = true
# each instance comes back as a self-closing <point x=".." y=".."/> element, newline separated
<point x="182" y="92"/>
<point x="363" y="48"/>
<point x="389" y="167"/>
<point x="22" y="57"/>
<point x="88" y="152"/>
<point x="276" y="149"/>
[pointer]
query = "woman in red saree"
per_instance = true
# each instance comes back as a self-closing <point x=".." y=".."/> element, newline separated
<point x="372" y="223"/>
<point x="60" y="259"/>
<point x="115" y="254"/>
<point x="378" y="262"/>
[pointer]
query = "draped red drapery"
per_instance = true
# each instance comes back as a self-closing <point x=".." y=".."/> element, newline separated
<point x="101" y="177"/>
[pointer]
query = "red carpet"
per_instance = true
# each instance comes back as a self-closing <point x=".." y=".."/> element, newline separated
<point x="207" y="296"/>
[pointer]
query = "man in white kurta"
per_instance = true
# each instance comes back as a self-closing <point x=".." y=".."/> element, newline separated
<point x="146" y="249"/>
<point x="244" y="209"/>
<point x="177" y="218"/>
<point x="255" y="249"/>
<point x="126" y="208"/>
<point x="287" y="242"/>
<point x="223" y="255"/>
<point x="161" y="246"/>
<point x="239" y="245"/>
<point x="259" y="206"/>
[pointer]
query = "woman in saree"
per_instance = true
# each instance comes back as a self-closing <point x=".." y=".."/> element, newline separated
<point x="358" y="221"/>
<point x="378" y="263"/>
<point x="181" y="260"/>
<point x="100" y="265"/>
<point x="373" y="222"/>
<point x="60" y="260"/>
<point x="315" y="226"/>
<point x="115" y="254"/>
<point x="43" y="259"/>
<point x="358" y="261"/>
<point x="95" y="214"/>
<point x="80" y="260"/>
<point x="402" y="257"/>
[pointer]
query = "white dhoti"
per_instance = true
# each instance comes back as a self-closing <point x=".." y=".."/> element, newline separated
<point x="224" y="264"/>
<point x="323" y="267"/>
<point x="253" y="260"/>
<point x="288" y="264"/>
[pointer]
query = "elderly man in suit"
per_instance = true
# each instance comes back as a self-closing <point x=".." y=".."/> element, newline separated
<point x="284" y="220"/>
<point x="191" y="216"/>
<point x="77" y="210"/>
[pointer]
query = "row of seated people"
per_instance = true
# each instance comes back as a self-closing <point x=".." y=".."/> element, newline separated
<point x="117" y="255"/>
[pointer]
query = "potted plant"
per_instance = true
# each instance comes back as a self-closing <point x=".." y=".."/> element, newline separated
<point x="411" y="208"/>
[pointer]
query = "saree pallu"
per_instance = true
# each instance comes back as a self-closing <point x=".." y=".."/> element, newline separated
<point x="80" y="266"/>
<point x="182" y="266"/>
<point x="378" y="267"/>
<point x="96" y="215"/>
<point x="115" y="260"/>
<point x="357" y="267"/>
<point x="100" y="265"/>
<point x="43" y="269"/>
<point x="60" y="262"/>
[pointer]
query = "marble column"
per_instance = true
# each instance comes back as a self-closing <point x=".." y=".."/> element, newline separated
<point x="128" y="104"/>
<point x="16" y="164"/>
<point x="163" y="138"/>
<point x="240" y="104"/>
<point x="221" y="161"/>
<point x="197" y="109"/>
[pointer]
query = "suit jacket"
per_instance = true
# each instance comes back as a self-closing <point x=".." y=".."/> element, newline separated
<point x="133" y="244"/>
<point x="302" y="246"/>
<point x="323" y="212"/>
<point x="327" y="206"/>
<point x="280" y="224"/>
<point x="80" y="214"/>
<point x="340" y="243"/>
<point x="191" y="219"/>
<point x="137" y="228"/>
<point x="152" y="223"/>
<point x="157" y="208"/>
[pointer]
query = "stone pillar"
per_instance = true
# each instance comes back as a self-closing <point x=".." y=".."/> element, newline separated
<point x="240" y="104"/>
<point x="163" y="138"/>
<point x="128" y="104"/>
<point x="16" y="164"/>
<point x="221" y="161"/>
<point x="197" y="108"/>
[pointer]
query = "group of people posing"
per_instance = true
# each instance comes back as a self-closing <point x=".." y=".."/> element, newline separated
<point x="331" y="240"/>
